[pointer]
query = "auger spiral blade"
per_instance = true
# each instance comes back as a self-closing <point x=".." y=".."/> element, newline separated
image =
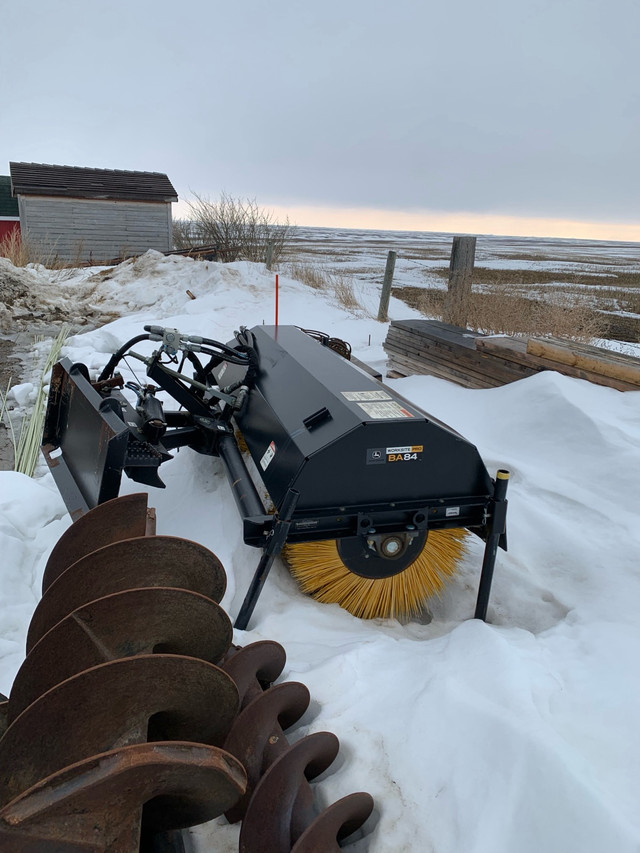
<point x="143" y="562"/>
<point x="126" y="517"/>
<point x="131" y="622"/>
<point x="114" y="728"/>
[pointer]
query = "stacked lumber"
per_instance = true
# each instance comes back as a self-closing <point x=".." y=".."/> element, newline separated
<point x="474" y="360"/>
<point x="449" y="352"/>
<point x="582" y="361"/>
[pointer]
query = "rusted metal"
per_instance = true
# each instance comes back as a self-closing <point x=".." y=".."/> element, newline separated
<point x="116" y="719"/>
<point x="122" y="518"/>
<point x="278" y="808"/>
<point x="276" y="817"/>
<point x="334" y="824"/>
<point x="97" y="804"/>
<point x="257" y="735"/>
<point x="254" y="667"/>
<point x="132" y="622"/>
<point x="147" y="697"/>
<point x="142" y="562"/>
<point x="12" y="842"/>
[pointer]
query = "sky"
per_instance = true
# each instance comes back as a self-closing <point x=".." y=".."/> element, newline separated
<point x="508" y="116"/>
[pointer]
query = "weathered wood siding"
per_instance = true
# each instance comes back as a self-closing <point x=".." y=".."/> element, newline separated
<point x="87" y="229"/>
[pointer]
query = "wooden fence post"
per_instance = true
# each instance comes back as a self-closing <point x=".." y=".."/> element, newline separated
<point x="383" y="310"/>
<point x="456" y="302"/>
<point x="269" y="258"/>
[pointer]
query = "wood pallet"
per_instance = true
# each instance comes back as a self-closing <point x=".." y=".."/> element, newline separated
<point x="474" y="360"/>
<point x="439" y="349"/>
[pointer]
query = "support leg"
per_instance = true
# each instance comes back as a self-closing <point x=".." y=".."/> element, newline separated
<point x="497" y="529"/>
<point x="272" y="550"/>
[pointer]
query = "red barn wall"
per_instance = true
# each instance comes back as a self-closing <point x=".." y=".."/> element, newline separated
<point x="7" y="226"/>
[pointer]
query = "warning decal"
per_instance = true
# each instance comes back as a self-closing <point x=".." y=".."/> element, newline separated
<point x="269" y="453"/>
<point x="383" y="411"/>
<point x="362" y="396"/>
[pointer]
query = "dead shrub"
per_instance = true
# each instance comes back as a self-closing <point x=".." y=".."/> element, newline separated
<point x="238" y="228"/>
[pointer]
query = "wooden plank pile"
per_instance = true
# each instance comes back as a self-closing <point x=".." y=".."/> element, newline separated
<point x="474" y="360"/>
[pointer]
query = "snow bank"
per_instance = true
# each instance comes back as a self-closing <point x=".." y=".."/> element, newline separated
<point x="516" y="736"/>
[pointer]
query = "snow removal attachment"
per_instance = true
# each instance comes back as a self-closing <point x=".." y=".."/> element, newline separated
<point x="368" y="498"/>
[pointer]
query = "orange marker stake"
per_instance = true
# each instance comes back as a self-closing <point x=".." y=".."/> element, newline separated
<point x="277" y="284"/>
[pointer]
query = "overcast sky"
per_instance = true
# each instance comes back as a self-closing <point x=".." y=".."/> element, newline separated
<point x="405" y="108"/>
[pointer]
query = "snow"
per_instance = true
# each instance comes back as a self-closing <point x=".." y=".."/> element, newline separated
<point x="515" y="736"/>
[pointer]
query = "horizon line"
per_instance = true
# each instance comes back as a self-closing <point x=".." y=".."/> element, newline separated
<point x="461" y="222"/>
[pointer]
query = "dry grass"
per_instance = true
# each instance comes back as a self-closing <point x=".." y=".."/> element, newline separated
<point x="309" y="274"/>
<point x="569" y="304"/>
<point x="501" y="312"/>
<point x="528" y="278"/>
<point x="340" y="286"/>
<point x="21" y="251"/>
<point x="14" y="249"/>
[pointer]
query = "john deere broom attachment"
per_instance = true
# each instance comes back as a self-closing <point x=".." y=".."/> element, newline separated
<point x="370" y="497"/>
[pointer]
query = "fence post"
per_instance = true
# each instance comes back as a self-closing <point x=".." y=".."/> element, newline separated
<point x="383" y="310"/>
<point x="456" y="302"/>
<point x="269" y="258"/>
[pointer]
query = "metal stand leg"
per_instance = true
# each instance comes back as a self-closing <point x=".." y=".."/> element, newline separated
<point x="273" y="548"/>
<point x="497" y="530"/>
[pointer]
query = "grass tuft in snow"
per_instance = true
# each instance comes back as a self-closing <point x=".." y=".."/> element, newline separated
<point x="341" y="287"/>
<point x="28" y="445"/>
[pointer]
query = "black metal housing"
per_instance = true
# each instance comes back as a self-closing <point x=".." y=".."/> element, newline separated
<point x="358" y="454"/>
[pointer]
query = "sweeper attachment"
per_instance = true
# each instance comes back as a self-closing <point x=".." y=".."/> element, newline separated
<point x="369" y="498"/>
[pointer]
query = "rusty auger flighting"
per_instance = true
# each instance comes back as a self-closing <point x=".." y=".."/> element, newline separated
<point x="133" y="715"/>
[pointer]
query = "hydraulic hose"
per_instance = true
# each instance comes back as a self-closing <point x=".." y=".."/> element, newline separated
<point x="109" y="367"/>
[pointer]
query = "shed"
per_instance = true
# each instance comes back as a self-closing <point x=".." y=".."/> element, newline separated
<point x="9" y="216"/>
<point x="93" y="214"/>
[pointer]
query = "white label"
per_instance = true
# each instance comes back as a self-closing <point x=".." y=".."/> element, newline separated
<point x="361" y="396"/>
<point x="384" y="411"/>
<point x="452" y="510"/>
<point x="269" y="453"/>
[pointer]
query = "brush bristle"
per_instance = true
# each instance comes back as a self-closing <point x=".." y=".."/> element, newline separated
<point x="320" y="572"/>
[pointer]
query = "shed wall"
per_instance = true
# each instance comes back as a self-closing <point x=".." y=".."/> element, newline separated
<point x="86" y="229"/>
<point x="8" y="226"/>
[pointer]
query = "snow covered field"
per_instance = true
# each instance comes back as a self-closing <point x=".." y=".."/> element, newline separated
<point x="362" y="255"/>
<point x="516" y="736"/>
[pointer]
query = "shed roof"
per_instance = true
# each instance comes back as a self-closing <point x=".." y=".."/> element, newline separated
<point x="8" y="204"/>
<point x="80" y="182"/>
